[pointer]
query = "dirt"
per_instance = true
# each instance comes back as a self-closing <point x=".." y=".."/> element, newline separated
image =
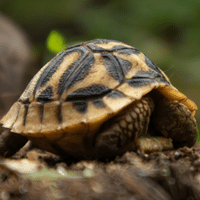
<point x="36" y="174"/>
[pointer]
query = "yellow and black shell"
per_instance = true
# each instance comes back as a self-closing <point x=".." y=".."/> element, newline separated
<point x="68" y="100"/>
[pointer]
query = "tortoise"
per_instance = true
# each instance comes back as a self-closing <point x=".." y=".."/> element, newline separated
<point x="99" y="98"/>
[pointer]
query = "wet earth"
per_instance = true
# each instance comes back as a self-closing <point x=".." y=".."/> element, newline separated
<point x="36" y="174"/>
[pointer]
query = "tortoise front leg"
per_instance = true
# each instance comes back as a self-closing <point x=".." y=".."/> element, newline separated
<point x="119" y="134"/>
<point x="10" y="143"/>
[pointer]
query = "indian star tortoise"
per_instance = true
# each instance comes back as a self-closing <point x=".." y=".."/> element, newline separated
<point x="99" y="98"/>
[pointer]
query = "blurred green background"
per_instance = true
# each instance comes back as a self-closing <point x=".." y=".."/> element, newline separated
<point x="168" y="32"/>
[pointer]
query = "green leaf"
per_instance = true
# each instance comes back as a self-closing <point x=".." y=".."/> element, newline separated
<point x="55" y="41"/>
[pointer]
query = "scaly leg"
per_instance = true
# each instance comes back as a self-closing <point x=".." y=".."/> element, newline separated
<point x="128" y="132"/>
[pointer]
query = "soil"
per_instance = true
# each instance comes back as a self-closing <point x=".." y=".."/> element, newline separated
<point x="36" y="174"/>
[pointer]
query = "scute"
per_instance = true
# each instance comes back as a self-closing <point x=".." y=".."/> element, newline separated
<point x="9" y="119"/>
<point x="46" y="95"/>
<point x="82" y="87"/>
<point x="33" y="115"/>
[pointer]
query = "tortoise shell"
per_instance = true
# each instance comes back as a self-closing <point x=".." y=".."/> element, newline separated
<point x="68" y="100"/>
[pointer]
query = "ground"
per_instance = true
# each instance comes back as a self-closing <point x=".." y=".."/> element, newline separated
<point x="36" y="174"/>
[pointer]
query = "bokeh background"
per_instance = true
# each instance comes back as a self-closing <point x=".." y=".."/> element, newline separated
<point x="168" y="32"/>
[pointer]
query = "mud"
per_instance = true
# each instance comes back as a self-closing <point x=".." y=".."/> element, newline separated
<point x="36" y="174"/>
